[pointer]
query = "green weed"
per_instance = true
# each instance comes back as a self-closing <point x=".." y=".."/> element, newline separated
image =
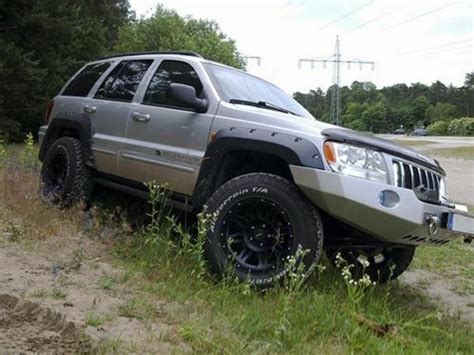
<point x="96" y="320"/>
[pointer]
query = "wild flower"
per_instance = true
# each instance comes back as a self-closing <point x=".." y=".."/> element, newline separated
<point x="356" y="288"/>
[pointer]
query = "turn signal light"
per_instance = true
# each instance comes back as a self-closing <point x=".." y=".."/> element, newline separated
<point x="329" y="152"/>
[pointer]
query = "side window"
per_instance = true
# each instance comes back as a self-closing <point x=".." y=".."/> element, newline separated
<point x="122" y="83"/>
<point x="85" y="80"/>
<point x="168" y="72"/>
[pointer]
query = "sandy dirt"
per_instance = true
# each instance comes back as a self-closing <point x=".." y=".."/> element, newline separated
<point x="441" y="291"/>
<point x="45" y="299"/>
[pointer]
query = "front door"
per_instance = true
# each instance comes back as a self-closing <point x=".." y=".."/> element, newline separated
<point x="166" y="139"/>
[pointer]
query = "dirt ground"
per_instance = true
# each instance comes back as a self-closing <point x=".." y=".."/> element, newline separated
<point x="46" y="298"/>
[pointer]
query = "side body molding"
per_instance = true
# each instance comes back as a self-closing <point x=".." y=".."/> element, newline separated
<point x="72" y="123"/>
<point x="293" y="149"/>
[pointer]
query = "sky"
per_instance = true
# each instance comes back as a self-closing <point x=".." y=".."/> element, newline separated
<point x="409" y="40"/>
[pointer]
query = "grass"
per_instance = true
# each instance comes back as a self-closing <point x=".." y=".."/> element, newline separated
<point x="161" y="265"/>
<point x="94" y="319"/>
<point x="54" y="293"/>
<point x="454" y="262"/>
<point x="458" y="152"/>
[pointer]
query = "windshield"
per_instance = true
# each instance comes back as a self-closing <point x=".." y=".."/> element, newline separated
<point x="234" y="85"/>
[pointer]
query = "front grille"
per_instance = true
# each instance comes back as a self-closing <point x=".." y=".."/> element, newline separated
<point x="412" y="177"/>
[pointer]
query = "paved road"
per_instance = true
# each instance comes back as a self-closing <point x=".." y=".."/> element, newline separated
<point x="438" y="142"/>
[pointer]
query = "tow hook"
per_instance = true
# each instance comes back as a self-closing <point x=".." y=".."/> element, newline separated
<point x="467" y="238"/>
<point x="433" y="225"/>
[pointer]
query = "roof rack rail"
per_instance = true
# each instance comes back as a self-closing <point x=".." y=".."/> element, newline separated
<point x="191" y="54"/>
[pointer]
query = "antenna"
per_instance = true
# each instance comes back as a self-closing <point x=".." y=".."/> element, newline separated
<point x="335" y="88"/>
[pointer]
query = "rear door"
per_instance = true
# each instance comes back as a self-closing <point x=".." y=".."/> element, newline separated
<point x="166" y="140"/>
<point x="110" y="108"/>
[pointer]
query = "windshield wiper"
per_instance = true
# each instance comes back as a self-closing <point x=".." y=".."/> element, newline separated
<point x="262" y="104"/>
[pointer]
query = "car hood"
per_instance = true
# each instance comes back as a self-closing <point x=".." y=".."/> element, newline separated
<point x="308" y="128"/>
<point x="349" y="136"/>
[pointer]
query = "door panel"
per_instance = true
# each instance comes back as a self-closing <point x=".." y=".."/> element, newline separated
<point x="110" y="110"/>
<point x="109" y="124"/>
<point x="167" y="149"/>
<point x="166" y="140"/>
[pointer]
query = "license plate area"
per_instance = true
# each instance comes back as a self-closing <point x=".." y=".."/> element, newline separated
<point x="460" y="222"/>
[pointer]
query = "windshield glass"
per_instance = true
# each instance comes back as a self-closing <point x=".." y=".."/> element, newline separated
<point x="233" y="85"/>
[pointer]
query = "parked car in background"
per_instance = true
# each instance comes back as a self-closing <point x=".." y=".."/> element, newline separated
<point x="419" y="132"/>
<point x="400" y="131"/>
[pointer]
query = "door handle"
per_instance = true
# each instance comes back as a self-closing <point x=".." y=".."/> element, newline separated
<point x="90" y="109"/>
<point x="141" y="117"/>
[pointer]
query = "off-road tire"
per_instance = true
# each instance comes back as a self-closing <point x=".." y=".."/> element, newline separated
<point x="65" y="179"/>
<point x="395" y="262"/>
<point x="242" y="195"/>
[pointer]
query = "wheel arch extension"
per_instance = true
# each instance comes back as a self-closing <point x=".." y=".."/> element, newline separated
<point x="236" y="150"/>
<point x="77" y="126"/>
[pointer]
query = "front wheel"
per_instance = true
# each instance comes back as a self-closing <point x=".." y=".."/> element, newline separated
<point x="381" y="264"/>
<point x="261" y="220"/>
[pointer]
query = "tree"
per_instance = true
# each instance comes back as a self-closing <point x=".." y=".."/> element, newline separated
<point x="417" y="111"/>
<point x="469" y="80"/>
<point x="440" y="112"/>
<point x="111" y="14"/>
<point x="166" y="30"/>
<point x="374" y="118"/>
<point x="42" y="43"/>
<point x="354" y="113"/>
<point x="314" y="102"/>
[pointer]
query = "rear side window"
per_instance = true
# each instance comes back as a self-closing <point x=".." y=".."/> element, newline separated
<point x="122" y="83"/>
<point x="85" y="80"/>
<point x="171" y="72"/>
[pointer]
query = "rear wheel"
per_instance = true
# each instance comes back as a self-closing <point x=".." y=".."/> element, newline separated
<point x="261" y="220"/>
<point x="65" y="178"/>
<point x="384" y="263"/>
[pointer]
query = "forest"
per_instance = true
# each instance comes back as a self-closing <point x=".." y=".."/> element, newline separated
<point x="443" y="110"/>
<point x="43" y="42"/>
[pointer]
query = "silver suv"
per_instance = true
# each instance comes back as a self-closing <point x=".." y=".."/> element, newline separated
<point x="276" y="179"/>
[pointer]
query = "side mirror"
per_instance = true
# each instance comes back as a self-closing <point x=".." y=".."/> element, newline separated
<point x="187" y="94"/>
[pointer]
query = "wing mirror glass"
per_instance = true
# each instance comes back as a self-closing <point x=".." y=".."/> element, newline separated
<point x="187" y="94"/>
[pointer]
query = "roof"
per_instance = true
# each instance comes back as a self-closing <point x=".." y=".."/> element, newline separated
<point x="186" y="53"/>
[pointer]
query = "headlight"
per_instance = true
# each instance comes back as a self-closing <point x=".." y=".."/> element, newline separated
<point x="356" y="161"/>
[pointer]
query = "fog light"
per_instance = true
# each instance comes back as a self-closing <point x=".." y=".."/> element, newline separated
<point x="389" y="198"/>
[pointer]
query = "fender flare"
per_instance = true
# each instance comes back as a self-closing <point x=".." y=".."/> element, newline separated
<point x="291" y="148"/>
<point x="80" y="123"/>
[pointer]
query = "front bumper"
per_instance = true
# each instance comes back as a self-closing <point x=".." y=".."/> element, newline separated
<point x="358" y="203"/>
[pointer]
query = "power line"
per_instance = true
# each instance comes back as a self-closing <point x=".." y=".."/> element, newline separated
<point x="421" y="15"/>
<point x="369" y="22"/>
<point x="347" y="14"/>
<point x="449" y="44"/>
<point x="446" y="50"/>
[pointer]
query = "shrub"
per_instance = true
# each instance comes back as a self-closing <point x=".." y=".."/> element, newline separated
<point x="439" y="128"/>
<point x="462" y="127"/>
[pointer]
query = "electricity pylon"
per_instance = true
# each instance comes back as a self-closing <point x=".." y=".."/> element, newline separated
<point x="335" y="59"/>
<point x="246" y="59"/>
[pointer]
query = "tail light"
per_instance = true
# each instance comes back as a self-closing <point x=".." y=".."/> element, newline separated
<point x="47" y="113"/>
